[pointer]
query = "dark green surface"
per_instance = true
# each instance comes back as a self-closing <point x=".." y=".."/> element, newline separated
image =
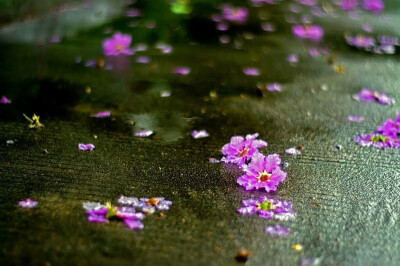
<point x="346" y="200"/>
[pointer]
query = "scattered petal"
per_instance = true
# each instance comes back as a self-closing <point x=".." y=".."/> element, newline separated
<point x="102" y="114"/>
<point x="144" y="133"/>
<point x="200" y="134"/>
<point x="251" y="71"/>
<point x="181" y="70"/>
<point x="86" y="147"/>
<point x="293" y="151"/>
<point x="274" y="87"/>
<point x="213" y="160"/>
<point x="28" y="203"/>
<point x="133" y="224"/>
<point x="354" y="118"/>
<point x="5" y="100"/>
<point x="277" y="230"/>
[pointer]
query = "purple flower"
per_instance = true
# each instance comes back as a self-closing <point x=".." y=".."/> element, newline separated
<point x="293" y="151"/>
<point x="267" y="26"/>
<point x="376" y="140"/>
<point x="181" y="70"/>
<point x="149" y="206"/>
<point x="390" y="128"/>
<point x="268" y="209"/>
<point x="354" y="118"/>
<point x="375" y="6"/>
<point x="129" y="213"/>
<point x="133" y="12"/>
<point x="143" y="59"/>
<point x="144" y="133"/>
<point x="263" y="172"/>
<point x="308" y="2"/>
<point x="200" y="134"/>
<point x="313" y="32"/>
<point x="28" y="203"/>
<point x="5" y="100"/>
<point x="238" y="14"/>
<point x="102" y="114"/>
<point x="133" y="224"/>
<point x="86" y="147"/>
<point x="239" y="150"/>
<point x="118" y="44"/>
<point x="222" y="26"/>
<point x="292" y="58"/>
<point x="274" y="87"/>
<point x="367" y="95"/>
<point x="348" y="4"/>
<point x="277" y="230"/>
<point x="251" y="71"/>
<point x="360" y="41"/>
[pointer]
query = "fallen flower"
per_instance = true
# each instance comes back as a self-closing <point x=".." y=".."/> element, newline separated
<point x="390" y="128"/>
<point x="199" y="134"/>
<point x="354" y="118"/>
<point x="360" y="41"/>
<point x="149" y="206"/>
<point x="213" y="160"/>
<point x="85" y="147"/>
<point x="277" y="230"/>
<point x="376" y="140"/>
<point x="274" y="87"/>
<point x="28" y="203"/>
<point x="263" y="172"/>
<point x="144" y="133"/>
<point x="313" y="32"/>
<point x="238" y="14"/>
<point x="251" y="71"/>
<point x="118" y="44"/>
<point x="240" y="149"/>
<point x="268" y="209"/>
<point x="367" y="95"/>
<point x="375" y="6"/>
<point x="181" y="70"/>
<point x="293" y="151"/>
<point x="5" y="100"/>
<point x="102" y="114"/>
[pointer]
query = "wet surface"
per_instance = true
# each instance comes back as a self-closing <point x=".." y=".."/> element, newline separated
<point x="346" y="199"/>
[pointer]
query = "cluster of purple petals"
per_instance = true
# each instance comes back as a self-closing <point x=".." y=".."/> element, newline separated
<point x="268" y="208"/>
<point x="385" y="136"/>
<point x="374" y="6"/>
<point x="234" y="14"/>
<point x="99" y="213"/>
<point x="118" y="44"/>
<point x="381" y="45"/>
<point x="312" y="32"/>
<point x="28" y="203"/>
<point x="367" y="95"/>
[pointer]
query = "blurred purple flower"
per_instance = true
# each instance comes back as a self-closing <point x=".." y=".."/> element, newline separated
<point x="267" y="26"/>
<point x="143" y="59"/>
<point x="251" y="71"/>
<point x="313" y="32"/>
<point x="238" y="14"/>
<point x="144" y="133"/>
<point x="360" y="41"/>
<point x="354" y="118"/>
<point x="367" y="95"/>
<point x="274" y="87"/>
<point x="28" y="203"/>
<point x="199" y="134"/>
<point x="390" y="128"/>
<point x="133" y="12"/>
<point x="375" y="6"/>
<point x="118" y="44"/>
<point x="277" y="230"/>
<point x="102" y="114"/>
<point x="240" y="149"/>
<point x="267" y="208"/>
<point x="222" y="26"/>
<point x="133" y="224"/>
<point x="181" y="70"/>
<point x="308" y="2"/>
<point x="263" y="172"/>
<point x="86" y="147"/>
<point x="150" y="205"/>
<point x="348" y="4"/>
<point x="5" y="100"/>
<point x="292" y="58"/>
<point x="376" y="140"/>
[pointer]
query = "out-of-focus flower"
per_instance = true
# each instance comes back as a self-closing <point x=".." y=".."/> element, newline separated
<point x="360" y="41"/>
<point x="86" y="147"/>
<point x="5" y="100"/>
<point x="251" y="71"/>
<point x="375" y="6"/>
<point x="263" y="172"/>
<point x="354" y="118"/>
<point x="293" y="151"/>
<point x="348" y="4"/>
<point x="181" y="70"/>
<point x="118" y="44"/>
<point x="292" y="58"/>
<point x="102" y="114"/>
<point x="267" y="208"/>
<point x="234" y="14"/>
<point x="143" y="59"/>
<point x="313" y="32"/>
<point x="376" y="140"/>
<point x="199" y="134"/>
<point x="274" y="87"/>
<point x="240" y="149"/>
<point x="144" y="133"/>
<point x="367" y="95"/>
<point x="277" y="230"/>
<point x="28" y="203"/>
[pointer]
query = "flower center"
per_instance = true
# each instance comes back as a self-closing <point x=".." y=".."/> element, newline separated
<point x="378" y="138"/>
<point x="265" y="205"/>
<point x="244" y="152"/>
<point x="152" y="202"/>
<point x="119" y="47"/>
<point x="376" y="95"/>
<point x="263" y="176"/>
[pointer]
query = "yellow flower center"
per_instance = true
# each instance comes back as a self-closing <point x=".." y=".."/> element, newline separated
<point x="119" y="47"/>
<point x="244" y="152"/>
<point x="263" y="176"/>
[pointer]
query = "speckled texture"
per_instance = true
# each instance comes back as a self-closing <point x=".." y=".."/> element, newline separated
<point x="346" y="200"/>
